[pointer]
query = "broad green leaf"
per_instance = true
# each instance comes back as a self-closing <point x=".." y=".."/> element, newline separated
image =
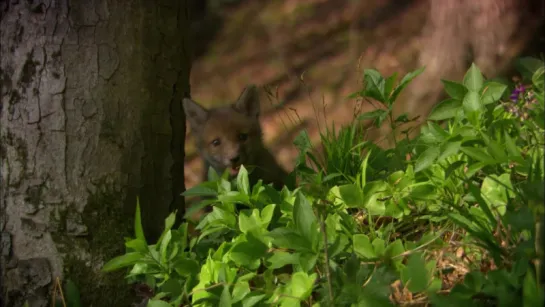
<point x="267" y="215"/>
<point x="186" y="267"/>
<point x="374" y="85"/>
<point x="243" y="184"/>
<point x="287" y="238"/>
<point x="137" y="245"/>
<point x="280" y="259"/>
<point x="379" y="247"/>
<point x="415" y="275"/>
<point x="426" y="159"/>
<point x="472" y="107"/>
<point x="157" y="303"/>
<point x="496" y="190"/>
<point x="122" y="261"/>
<point x="492" y="92"/>
<point x="372" y="193"/>
<point x="389" y="84"/>
<point x="240" y="291"/>
<point x="454" y="89"/>
<point x="225" y="297"/>
<point x="363" y="247"/>
<point x="247" y="222"/>
<point x="478" y="154"/>
<point x="404" y="82"/>
<point x="252" y="299"/>
<point x="164" y="245"/>
<point x="449" y="149"/>
<point x="473" y="79"/>
<point x="248" y="253"/>
<point x="304" y="218"/>
<point x="351" y="195"/>
<point x="422" y="191"/>
<point x="302" y="284"/>
<point x="446" y="109"/>
<point x="393" y="250"/>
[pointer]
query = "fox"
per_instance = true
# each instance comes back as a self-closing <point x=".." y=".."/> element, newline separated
<point x="229" y="136"/>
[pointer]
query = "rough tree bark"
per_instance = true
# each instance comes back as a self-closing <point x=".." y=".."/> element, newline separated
<point x="91" y="117"/>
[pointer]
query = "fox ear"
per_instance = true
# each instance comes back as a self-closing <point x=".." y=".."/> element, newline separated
<point x="195" y="113"/>
<point x="248" y="102"/>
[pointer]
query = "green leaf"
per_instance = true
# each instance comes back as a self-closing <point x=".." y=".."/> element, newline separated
<point x="225" y="298"/>
<point x="280" y="259"/>
<point x="240" y="291"/>
<point x="492" y="92"/>
<point x="404" y="82"/>
<point x="422" y="191"/>
<point x="531" y="291"/>
<point x="372" y="192"/>
<point x="389" y="84"/>
<point x="157" y="303"/>
<point x="374" y="85"/>
<point x="137" y="245"/>
<point x="247" y="253"/>
<point x="363" y="170"/>
<point x="138" y="230"/>
<point x="478" y="154"/>
<point x="243" y="184"/>
<point x="302" y="284"/>
<point x="393" y="250"/>
<point x="454" y="89"/>
<point x="449" y="149"/>
<point x="351" y="195"/>
<point x="473" y="79"/>
<point x="511" y="147"/>
<point x="446" y="109"/>
<point x="122" y="261"/>
<point x="527" y="66"/>
<point x="186" y="267"/>
<point x="363" y="247"/>
<point x="304" y="218"/>
<point x="472" y="107"/>
<point x="200" y="190"/>
<point x="415" y="275"/>
<point x="377" y="113"/>
<point x="287" y="238"/>
<point x="496" y="190"/>
<point x="426" y="159"/>
<point x="252" y="299"/>
<point x="72" y="294"/>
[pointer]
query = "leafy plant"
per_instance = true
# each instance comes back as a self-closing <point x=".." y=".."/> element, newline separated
<point x="368" y="227"/>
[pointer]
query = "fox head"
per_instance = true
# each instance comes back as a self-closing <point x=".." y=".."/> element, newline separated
<point x="227" y="136"/>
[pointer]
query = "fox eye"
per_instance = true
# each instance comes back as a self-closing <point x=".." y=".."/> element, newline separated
<point x="216" y="142"/>
<point x="243" y="136"/>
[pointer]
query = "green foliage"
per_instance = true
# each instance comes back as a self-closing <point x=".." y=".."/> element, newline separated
<point x="364" y="217"/>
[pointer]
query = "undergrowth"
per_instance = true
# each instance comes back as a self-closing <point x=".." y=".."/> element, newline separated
<point x="451" y="217"/>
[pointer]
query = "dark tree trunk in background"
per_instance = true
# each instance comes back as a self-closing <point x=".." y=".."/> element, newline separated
<point x="458" y="32"/>
<point x="91" y="117"/>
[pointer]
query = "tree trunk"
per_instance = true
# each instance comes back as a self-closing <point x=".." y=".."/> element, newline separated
<point x="488" y="32"/>
<point x="91" y="118"/>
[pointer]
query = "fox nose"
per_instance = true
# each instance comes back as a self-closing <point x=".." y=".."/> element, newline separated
<point x="235" y="159"/>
